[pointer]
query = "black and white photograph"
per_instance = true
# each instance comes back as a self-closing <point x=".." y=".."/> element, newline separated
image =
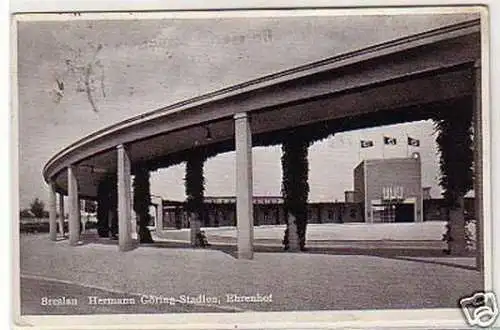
<point x="234" y="162"/>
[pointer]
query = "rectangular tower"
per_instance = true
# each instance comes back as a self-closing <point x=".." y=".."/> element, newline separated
<point x="390" y="189"/>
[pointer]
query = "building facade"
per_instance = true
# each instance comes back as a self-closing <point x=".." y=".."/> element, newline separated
<point x="267" y="210"/>
<point x="385" y="190"/>
<point x="390" y="190"/>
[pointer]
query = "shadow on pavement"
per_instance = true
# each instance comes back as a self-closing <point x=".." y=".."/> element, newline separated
<point x="436" y="262"/>
<point x="407" y="254"/>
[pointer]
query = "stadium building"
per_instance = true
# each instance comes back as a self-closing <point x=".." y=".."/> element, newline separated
<point x="385" y="190"/>
<point x="390" y="190"/>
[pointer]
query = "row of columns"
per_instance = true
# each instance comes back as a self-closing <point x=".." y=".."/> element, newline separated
<point x="244" y="195"/>
<point x="125" y="241"/>
<point x="244" y="189"/>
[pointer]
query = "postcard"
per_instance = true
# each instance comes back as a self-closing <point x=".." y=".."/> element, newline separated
<point x="253" y="168"/>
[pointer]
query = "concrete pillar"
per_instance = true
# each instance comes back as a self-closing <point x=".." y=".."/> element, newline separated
<point x="81" y="207"/>
<point x="52" y="212"/>
<point x="125" y="241"/>
<point x="61" y="214"/>
<point x="478" y="168"/>
<point x="159" y="217"/>
<point x="73" y="207"/>
<point x="244" y="187"/>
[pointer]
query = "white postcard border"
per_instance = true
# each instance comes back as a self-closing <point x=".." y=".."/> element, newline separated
<point x="394" y="318"/>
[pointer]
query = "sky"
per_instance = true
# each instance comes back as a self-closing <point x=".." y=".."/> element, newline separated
<point x="138" y="65"/>
<point x="331" y="164"/>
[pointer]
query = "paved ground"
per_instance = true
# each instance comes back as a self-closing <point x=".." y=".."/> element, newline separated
<point x="352" y="236"/>
<point x="423" y="231"/>
<point x="296" y="281"/>
<point x="350" y="231"/>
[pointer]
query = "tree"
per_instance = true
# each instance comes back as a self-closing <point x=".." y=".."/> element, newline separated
<point x="37" y="207"/>
<point x="142" y="201"/>
<point x="454" y="140"/>
<point x="195" y="187"/>
<point x="295" y="189"/>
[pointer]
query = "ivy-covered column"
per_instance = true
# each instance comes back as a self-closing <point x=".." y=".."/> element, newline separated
<point x="142" y="200"/>
<point x="103" y="208"/>
<point x="454" y="140"/>
<point x="107" y="222"/>
<point x="295" y="189"/>
<point x="113" y="209"/>
<point x="195" y="187"/>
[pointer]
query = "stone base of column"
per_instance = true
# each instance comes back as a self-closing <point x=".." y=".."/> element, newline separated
<point x="245" y="255"/>
<point x="195" y="229"/>
<point x="245" y="239"/>
<point x="293" y="238"/>
<point x="74" y="241"/>
<point x="127" y="245"/>
<point x="131" y="240"/>
<point x="53" y="232"/>
<point x="458" y="246"/>
<point x="53" y="235"/>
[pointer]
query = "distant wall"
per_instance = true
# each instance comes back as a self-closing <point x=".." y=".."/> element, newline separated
<point x="216" y="215"/>
<point x="435" y="209"/>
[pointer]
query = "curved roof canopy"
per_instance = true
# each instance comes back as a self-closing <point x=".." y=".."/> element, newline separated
<point x="400" y="80"/>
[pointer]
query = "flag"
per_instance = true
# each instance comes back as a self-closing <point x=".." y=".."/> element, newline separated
<point x="390" y="140"/>
<point x="413" y="142"/>
<point x="366" y="143"/>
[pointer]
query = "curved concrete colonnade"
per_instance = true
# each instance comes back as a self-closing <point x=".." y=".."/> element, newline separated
<point x="397" y="81"/>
